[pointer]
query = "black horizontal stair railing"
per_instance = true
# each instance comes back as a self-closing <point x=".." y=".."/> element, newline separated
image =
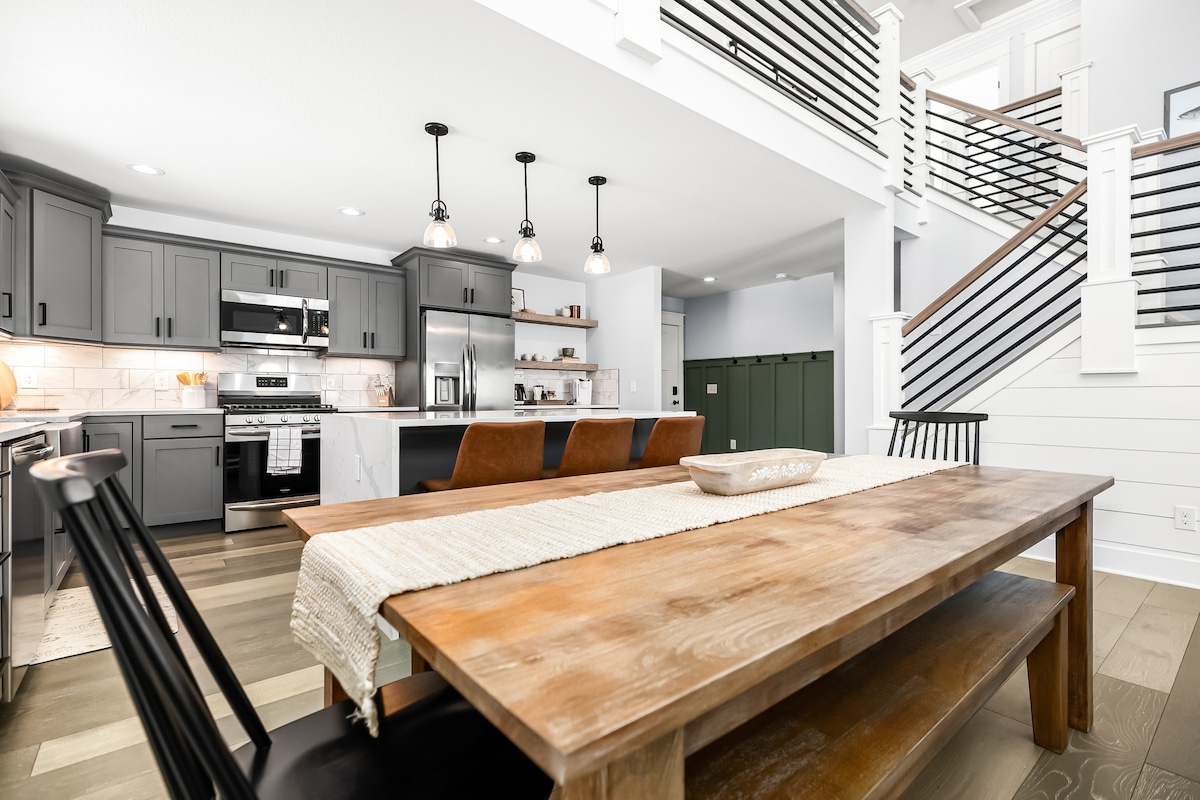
<point x="813" y="51"/>
<point x="1165" y="240"/>
<point x="1013" y="162"/>
<point x="1023" y="292"/>
<point x="907" y="115"/>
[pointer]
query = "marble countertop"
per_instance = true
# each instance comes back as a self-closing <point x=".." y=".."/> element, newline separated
<point x="362" y="409"/>
<point x="73" y="414"/>
<point x="15" y="430"/>
<point x="414" y="419"/>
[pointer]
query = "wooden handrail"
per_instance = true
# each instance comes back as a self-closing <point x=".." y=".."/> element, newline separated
<point x="1167" y="146"/>
<point x="1011" y="122"/>
<point x="1037" y="98"/>
<point x="991" y="261"/>
<point x="907" y="82"/>
<point x="859" y="13"/>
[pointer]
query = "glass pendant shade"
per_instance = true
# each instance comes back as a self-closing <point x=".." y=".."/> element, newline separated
<point x="527" y="250"/>
<point x="596" y="264"/>
<point x="440" y="234"/>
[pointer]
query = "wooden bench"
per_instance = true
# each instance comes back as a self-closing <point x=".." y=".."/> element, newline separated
<point x="868" y="728"/>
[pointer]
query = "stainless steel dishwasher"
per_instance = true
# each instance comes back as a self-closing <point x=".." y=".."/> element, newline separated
<point x="25" y="529"/>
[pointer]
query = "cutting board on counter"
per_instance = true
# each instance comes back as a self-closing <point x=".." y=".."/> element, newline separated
<point x="8" y="385"/>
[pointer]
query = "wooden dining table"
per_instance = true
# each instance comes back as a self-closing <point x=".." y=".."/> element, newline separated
<point x="608" y="669"/>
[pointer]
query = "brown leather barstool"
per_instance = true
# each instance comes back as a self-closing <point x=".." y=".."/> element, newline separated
<point x="495" y="452"/>
<point x="595" y="445"/>
<point x="671" y="439"/>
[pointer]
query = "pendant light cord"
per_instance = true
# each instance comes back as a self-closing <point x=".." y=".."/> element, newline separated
<point x="525" y="165"/>
<point x="437" y="167"/>
<point x="597" y="211"/>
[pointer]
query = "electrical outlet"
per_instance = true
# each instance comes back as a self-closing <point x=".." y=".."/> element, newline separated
<point x="27" y="379"/>
<point x="733" y="444"/>
<point x="333" y="383"/>
<point x="633" y="386"/>
<point x="358" y="468"/>
<point x="162" y="380"/>
<point x="1185" y="518"/>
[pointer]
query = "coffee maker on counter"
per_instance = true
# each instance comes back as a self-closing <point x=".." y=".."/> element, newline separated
<point x="519" y="397"/>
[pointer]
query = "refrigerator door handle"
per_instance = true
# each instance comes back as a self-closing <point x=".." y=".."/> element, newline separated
<point x="474" y="379"/>
<point x="464" y="400"/>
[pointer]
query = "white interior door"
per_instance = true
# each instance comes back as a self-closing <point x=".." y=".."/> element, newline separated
<point x="672" y="362"/>
<point x="1051" y="56"/>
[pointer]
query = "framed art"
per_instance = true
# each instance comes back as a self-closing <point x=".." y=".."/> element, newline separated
<point x="518" y="300"/>
<point x="1181" y="110"/>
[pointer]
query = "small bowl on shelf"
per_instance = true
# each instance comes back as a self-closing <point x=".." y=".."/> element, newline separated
<point x="754" y="470"/>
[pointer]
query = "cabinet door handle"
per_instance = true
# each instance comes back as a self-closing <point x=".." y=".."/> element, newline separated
<point x="270" y="277"/>
<point x="87" y="442"/>
<point x="158" y="326"/>
<point x="218" y="456"/>
<point x="372" y="340"/>
<point x="8" y="304"/>
<point x="364" y="339"/>
<point x="464" y="295"/>
<point x="42" y="310"/>
<point x="185" y="426"/>
<point x="472" y="297"/>
<point x="282" y="278"/>
<point x="170" y="327"/>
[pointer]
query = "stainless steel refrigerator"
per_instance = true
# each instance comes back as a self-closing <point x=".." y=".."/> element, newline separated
<point x="466" y="362"/>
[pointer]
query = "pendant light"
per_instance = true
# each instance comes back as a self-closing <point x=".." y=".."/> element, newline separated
<point x="597" y="262"/>
<point x="439" y="233"/>
<point x="527" y="250"/>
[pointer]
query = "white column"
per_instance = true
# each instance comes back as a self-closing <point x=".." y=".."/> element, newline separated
<point x="890" y="130"/>
<point x="637" y="28"/>
<point x="886" y="341"/>
<point x="864" y="289"/>
<point x="1109" y="296"/>
<point x="920" y="176"/>
<point x="1075" y="100"/>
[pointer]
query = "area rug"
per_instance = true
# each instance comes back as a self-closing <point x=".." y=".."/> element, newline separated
<point x="73" y="625"/>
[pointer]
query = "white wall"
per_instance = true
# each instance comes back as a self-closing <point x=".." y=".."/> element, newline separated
<point x="547" y="296"/>
<point x="949" y="247"/>
<point x="1142" y="428"/>
<point x="784" y="317"/>
<point x="1138" y="51"/>
<point x="629" y="337"/>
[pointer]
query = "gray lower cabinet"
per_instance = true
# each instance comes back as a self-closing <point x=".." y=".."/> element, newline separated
<point x="8" y="264"/>
<point x="65" y="268"/>
<point x="183" y="480"/>
<point x="125" y="434"/>
<point x="157" y="294"/>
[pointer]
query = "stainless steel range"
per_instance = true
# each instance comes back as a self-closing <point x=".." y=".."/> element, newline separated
<point x="255" y="406"/>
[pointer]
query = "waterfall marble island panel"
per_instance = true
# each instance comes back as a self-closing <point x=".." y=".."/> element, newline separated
<point x="368" y="456"/>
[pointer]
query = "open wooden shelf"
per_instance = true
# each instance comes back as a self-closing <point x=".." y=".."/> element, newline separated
<point x="573" y="366"/>
<point x="551" y="319"/>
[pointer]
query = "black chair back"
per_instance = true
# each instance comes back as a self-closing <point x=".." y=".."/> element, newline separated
<point x="943" y="435"/>
<point x="191" y="753"/>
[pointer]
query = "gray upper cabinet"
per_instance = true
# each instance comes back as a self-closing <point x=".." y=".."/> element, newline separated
<point x="191" y="297"/>
<point x="248" y="273"/>
<point x="273" y="276"/>
<point x="133" y="292"/>
<point x="490" y="290"/>
<point x="158" y="294"/>
<point x="297" y="279"/>
<point x="444" y="284"/>
<point x="385" y="303"/>
<point x="348" y="314"/>
<point x="183" y="480"/>
<point x="8" y="264"/>
<point x="66" y="268"/>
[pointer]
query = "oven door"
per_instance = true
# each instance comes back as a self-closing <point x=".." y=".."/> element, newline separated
<point x="256" y="499"/>
<point x="251" y="318"/>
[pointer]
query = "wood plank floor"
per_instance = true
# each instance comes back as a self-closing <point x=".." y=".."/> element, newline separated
<point x="72" y="732"/>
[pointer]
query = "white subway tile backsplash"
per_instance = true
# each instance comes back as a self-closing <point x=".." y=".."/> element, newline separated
<point x="179" y="360"/>
<point x="66" y="355"/>
<point x="82" y="398"/>
<point x="304" y="365"/>
<point x="129" y="398"/>
<point x="168" y="399"/>
<point x="142" y="378"/>
<point x="128" y="358"/>
<point x="376" y="366"/>
<point x="356" y="383"/>
<point x="225" y="362"/>
<point x="102" y="379"/>
<point x="258" y="363"/>
<point x="23" y="355"/>
<point x="343" y="366"/>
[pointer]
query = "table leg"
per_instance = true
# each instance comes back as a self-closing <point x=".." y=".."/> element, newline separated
<point x="334" y="693"/>
<point x="1047" y="667"/>
<point x="655" y="772"/>
<point x="418" y="662"/>
<point x="1073" y="556"/>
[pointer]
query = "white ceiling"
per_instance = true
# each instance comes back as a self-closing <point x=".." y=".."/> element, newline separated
<point x="929" y="23"/>
<point x="274" y="114"/>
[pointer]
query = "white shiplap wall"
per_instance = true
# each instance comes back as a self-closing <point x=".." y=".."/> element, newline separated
<point x="1142" y="428"/>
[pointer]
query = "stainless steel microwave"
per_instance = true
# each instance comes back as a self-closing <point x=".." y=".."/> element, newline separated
<point x="250" y="318"/>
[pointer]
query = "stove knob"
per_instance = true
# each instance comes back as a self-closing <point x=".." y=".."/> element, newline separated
<point x="249" y="419"/>
<point x="261" y="418"/>
<point x="316" y="417"/>
<point x="283" y="418"/>
<point x="305" y="418"/>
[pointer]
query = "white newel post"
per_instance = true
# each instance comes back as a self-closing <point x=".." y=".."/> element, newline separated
<point x="889" y="127"/>
<point x="886" y="340"/>
<point x="920" y="176"/>
<point x="1075" y="100"/>
<point x="637" y="28"/>
<point x="1109" y="296"/>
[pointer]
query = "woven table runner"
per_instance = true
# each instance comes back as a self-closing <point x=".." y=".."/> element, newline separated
<point x="346" y="575"/>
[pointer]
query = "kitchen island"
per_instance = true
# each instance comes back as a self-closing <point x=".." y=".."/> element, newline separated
<point x="368" y="456"/>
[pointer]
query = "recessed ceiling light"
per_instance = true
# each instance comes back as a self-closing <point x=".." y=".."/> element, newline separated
<point x="494" y="240"/>
<point x="709" y="280"/>
<point x="780" y="275"/>
<point x="352" y="212"/>
<point x="145" y="169"/>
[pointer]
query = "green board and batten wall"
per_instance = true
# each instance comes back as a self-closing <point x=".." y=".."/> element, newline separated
<point x="756" y="402"/>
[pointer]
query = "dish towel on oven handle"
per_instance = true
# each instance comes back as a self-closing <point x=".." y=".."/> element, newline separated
<point x="284" y="451"/>
<point x="346" y="575"/>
